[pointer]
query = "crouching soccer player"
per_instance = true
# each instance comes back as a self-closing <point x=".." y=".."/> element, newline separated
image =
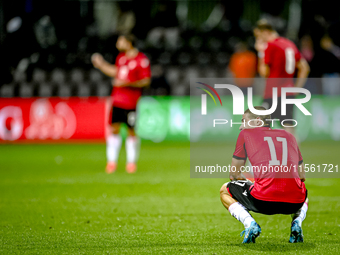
<point x="273" y="192"/>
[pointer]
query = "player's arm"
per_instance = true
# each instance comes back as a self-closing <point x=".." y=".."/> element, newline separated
<point x="301" y="168"/>
<point x="239" y="159"/>
<point x="235" y="172"/>
<point x="100" y="63"/>
<point x="302" y="173"/>
<point x="302" y="73"/>
<point x="137" y="84"/>
<point x="262" y="68"/>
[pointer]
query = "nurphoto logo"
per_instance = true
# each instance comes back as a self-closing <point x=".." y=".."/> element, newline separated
<point x="238" y="99"/>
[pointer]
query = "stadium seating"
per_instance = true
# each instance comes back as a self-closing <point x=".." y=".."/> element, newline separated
<point x="68" y="70"/>
<point x="26" y="90"/>
<point x="7" y="90"/>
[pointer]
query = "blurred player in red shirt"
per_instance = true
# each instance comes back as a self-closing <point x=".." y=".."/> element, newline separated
<point x="131" y="72"/>
<point x="279" y="60"/>
<point x="279" y="177"/>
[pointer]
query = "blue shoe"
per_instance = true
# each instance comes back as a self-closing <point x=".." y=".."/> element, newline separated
<point x="251" y="233"/>
<point x="296" y="233"/>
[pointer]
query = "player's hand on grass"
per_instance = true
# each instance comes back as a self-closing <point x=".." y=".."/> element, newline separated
<point x="97" y="60"/>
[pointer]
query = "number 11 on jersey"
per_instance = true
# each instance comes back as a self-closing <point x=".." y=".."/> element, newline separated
<point x="274" y="161"/>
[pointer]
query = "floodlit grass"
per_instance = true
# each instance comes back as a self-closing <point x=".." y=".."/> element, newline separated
<point x="58" y="199"/>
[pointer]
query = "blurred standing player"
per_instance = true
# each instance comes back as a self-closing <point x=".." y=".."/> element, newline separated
<point x="279" y="58"/>
<point x="131" y="72"/>
<point x="273" y="192"/>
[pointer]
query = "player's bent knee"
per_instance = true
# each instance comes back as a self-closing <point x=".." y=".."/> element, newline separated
<point x="131" y="132"/>
<point x="115" y="131"/>
<point x="115" y="128"/>
<point x="223" y="189"/>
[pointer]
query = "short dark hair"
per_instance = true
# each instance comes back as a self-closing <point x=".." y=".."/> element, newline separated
<point x="262" y="117"/>
<point x="263" y="24"/>
<point x="131" y="38"/>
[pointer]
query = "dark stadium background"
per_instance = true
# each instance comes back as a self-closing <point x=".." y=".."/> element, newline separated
<point x="53" y="40"/>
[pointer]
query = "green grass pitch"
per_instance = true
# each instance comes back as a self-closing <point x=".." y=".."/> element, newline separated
<point x="57" y="199"/>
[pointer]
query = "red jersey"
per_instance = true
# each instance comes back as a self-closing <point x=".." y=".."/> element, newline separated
<point x="130" y="70"/>
<point x="275" y="148"/>
<point x="281" y="55"/>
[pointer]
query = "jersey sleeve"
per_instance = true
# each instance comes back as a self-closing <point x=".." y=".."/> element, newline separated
<point x="268" y="54"/>
<point x="297" y="55"/>
<point x="240" y="150"/>
<point x="144" y="68"/>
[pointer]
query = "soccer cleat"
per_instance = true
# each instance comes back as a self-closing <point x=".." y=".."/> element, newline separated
<point x="111" y="167"/>
<point x="131" y="168"/>
<point x="296" y="233"/>
<point x="251" y="233"/>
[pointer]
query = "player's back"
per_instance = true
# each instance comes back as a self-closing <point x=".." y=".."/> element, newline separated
<point x="281" y="56"/>
<point x="275" y="157"/>
<point x="266" y="146"/>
